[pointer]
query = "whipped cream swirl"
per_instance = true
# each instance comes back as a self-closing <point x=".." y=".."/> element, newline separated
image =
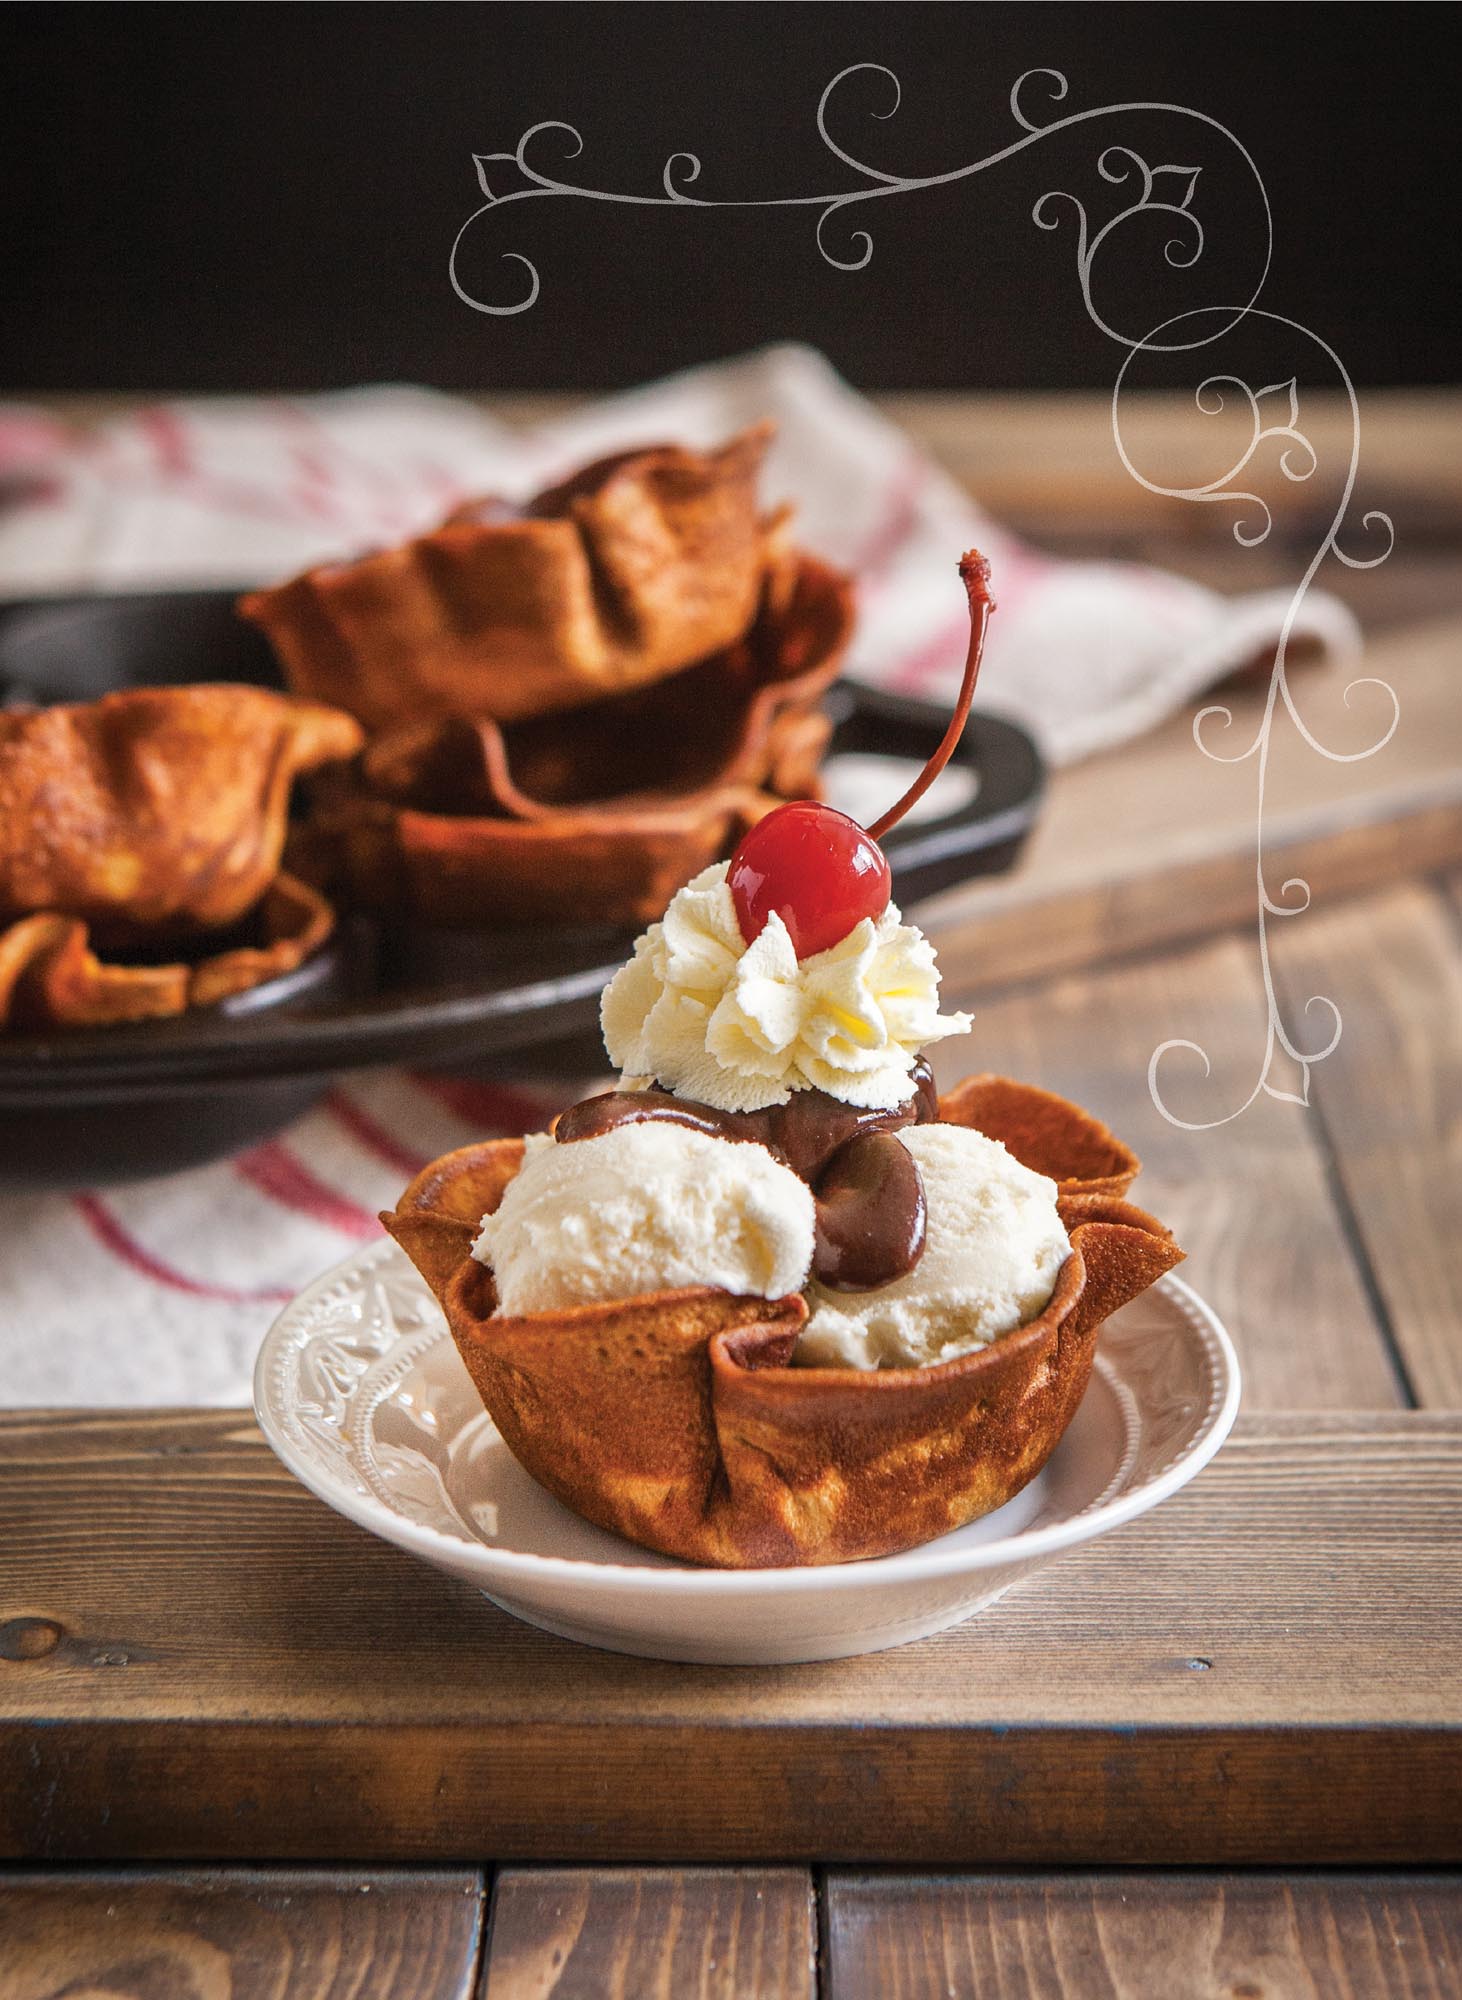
<point x="741" y="1026"/>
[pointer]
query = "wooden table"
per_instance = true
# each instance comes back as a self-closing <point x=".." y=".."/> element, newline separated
<point x="1153" y="1769"/>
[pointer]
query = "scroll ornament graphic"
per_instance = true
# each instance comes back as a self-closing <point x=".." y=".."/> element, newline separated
<point x="1274" y="429"/>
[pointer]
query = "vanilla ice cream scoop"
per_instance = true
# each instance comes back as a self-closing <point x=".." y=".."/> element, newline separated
<point x="993" y="1249"/>
<point x="646" y="1208"/>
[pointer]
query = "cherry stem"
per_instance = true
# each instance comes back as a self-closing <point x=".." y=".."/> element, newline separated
<point x="975" y="570"/>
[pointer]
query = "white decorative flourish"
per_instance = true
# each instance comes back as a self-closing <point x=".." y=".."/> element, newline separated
<point x="1119" y="166"/>
<point x="1166" y="190"/>
<point x="1298" y="460"/>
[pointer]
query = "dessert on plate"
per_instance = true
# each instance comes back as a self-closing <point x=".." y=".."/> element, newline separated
<point x="774" y="1300"/>
<point x="141" y="837"/>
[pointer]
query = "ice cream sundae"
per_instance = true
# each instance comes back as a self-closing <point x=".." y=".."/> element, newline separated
<point x="772" y="1299"/>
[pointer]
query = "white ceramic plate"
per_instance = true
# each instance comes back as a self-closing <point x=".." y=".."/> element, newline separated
<point x="360" y="1391"/>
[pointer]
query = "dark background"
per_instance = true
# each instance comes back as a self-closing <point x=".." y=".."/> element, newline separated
<point x="250" y="197"/>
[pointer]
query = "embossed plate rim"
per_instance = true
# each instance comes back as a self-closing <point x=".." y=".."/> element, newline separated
<point x="276" y="1376"/>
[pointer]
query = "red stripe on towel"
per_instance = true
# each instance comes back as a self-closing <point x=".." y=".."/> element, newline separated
<point x="278" y="1173"/>
<point x="366" y="1131"/>
<point x="900" y="518"/>
<point x="502" y="1106"/>
<point x="110" y="1233"/>
<point x="166" y="432"/>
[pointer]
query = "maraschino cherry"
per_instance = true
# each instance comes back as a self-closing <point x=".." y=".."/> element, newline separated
<point x="818" y="869"/>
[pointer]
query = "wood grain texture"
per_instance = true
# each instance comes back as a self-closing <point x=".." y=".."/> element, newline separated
<point x="1153" y="843"/>
<point x="652" y="1934"/>
<point x="1042" y="461"/>
<point x="198" y="1658"/>
<point x="1133" y="1937"/>
<point x="239" y="1934"/>
<point x="1249" y="1201"/>
<point x="1390" y="1100"/>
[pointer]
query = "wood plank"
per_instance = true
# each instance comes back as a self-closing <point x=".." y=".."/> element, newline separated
<point x="652" y="1934"/>
<point x="1131" y="1936"/>
<point x="1154" y="843"/>
<point x="1249" y="1200"/>
<point x="198" y="1658"/>
<point x="1042" y="461"/>
<point x="1390" y="1098"/>
<point x="251" y="1934"/>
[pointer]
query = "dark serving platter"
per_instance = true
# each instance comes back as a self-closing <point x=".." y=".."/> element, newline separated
<point x="85" y="1107"/>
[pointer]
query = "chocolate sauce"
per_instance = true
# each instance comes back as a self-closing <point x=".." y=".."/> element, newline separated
<point x="597" y="1115"/>
<point x="870" y="1200"/>
<point x="870" y="1214"/>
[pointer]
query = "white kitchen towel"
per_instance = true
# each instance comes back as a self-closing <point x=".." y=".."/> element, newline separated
<point x="159" y="1292"/>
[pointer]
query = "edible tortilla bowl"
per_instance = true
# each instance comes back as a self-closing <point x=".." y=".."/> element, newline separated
<point x="631" y="569"/>
<point x="51" y="977"/>
<point x="599" y="815"/>
<point x="155" y="815"/>
<point x="675" y="1421"/>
